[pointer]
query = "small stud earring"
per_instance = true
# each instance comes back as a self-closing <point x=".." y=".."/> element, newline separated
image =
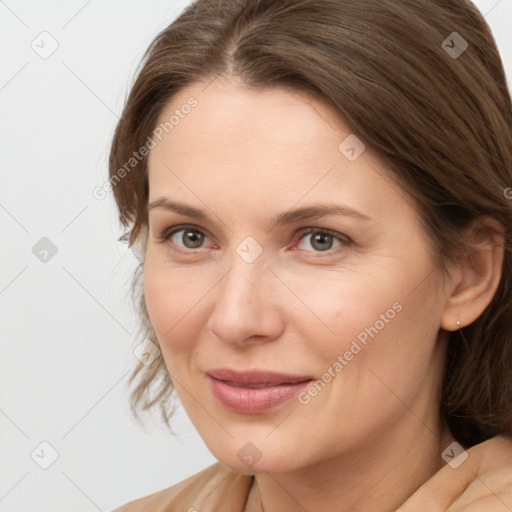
<point x="458" y="324"/>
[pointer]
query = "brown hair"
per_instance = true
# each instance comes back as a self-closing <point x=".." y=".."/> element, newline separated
<point x="441" y="122"/>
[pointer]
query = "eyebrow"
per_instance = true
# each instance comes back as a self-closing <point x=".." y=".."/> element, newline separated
<point x="314" y="211"/>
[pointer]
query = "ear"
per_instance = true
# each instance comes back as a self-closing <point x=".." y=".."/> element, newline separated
<point x="476" y="275"/>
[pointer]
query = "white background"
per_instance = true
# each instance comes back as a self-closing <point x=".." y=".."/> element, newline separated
<point x="68" y="327"/>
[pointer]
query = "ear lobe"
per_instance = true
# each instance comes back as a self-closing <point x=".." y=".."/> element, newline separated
<point x="478" y="274"/>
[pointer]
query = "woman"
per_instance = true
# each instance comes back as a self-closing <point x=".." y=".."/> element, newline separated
<point x="319" y="192"/>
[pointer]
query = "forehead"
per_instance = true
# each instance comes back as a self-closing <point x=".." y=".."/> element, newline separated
<point x="269" y="144"/>
<point x="230" y="114"/>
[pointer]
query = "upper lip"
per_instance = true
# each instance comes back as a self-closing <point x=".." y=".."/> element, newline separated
<point x="256" y="377"/>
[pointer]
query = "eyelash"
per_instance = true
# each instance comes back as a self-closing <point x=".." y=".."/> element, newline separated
<point x="345" y="240"/>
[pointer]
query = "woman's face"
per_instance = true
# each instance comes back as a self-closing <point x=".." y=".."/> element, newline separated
<point x="347" y="299"/>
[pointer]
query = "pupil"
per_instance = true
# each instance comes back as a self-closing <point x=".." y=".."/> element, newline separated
<point x="321" y="238"/>
<point x="194" y="237"/>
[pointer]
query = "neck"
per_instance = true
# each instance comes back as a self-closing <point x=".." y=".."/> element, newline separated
<point x="379" y="475"/>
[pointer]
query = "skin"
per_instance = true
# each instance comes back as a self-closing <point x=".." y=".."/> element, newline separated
<point x="243" y="156"/>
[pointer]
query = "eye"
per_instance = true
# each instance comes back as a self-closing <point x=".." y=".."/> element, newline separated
<point x="323" y="239"/>
<point x="191" y="237"/>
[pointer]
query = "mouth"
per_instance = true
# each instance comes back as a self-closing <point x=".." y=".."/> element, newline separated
<point x="254" y="391"/>
<point x="253" y="386"/>
<point x="255" y="378"/>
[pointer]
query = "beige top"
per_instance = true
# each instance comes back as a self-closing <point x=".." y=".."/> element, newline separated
<point x="483" y="480"/>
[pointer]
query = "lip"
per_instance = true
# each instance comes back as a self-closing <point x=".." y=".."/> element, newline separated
<point x="254" y="391"/>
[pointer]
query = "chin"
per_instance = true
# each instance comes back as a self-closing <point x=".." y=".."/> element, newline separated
<point x="251" y="459"/>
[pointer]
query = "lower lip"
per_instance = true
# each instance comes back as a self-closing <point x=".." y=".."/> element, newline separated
<point x="253" y="400"/>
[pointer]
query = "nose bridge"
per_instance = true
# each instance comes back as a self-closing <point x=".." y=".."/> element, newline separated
<point x="243" y="307"/>
<point x="243" y="285"/>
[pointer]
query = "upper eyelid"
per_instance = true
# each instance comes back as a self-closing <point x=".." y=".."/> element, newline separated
<point x="180" y="227"/>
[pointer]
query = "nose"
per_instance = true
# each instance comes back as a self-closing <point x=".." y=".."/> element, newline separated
<point x="247" y="309"/>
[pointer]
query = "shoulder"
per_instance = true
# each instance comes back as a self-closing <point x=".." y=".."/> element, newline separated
<point x="479" y="478"/>
<point x="205" y="491"/>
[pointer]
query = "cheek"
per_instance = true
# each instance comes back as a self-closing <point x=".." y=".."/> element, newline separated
<point x="160" y="299"/>
<point x="389" y="354"/>
<point x="165" y="299"/>
<point x="387" y="322"/>
<point x="345" y="306"/>
<point x="175" y="301"/>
